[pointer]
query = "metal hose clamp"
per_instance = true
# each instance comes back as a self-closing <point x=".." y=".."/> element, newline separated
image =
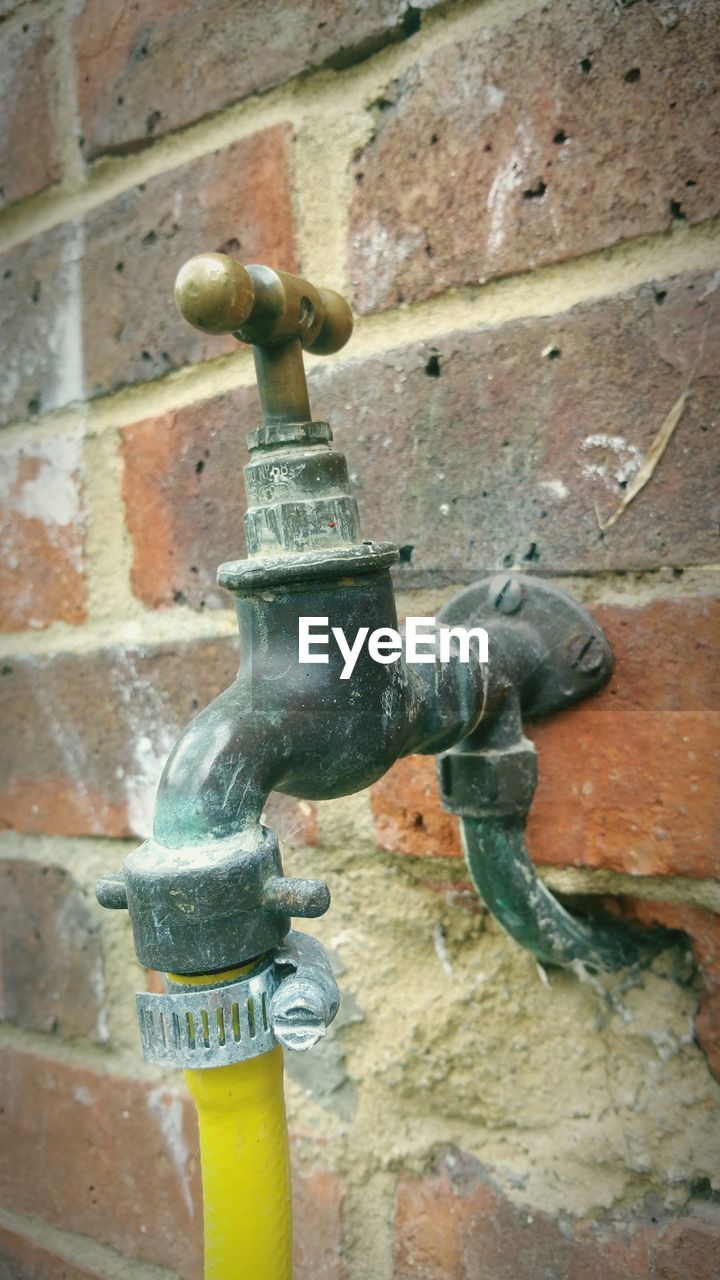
<point x="290" y="999"/>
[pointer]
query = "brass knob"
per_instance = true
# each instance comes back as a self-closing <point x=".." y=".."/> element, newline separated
<point x="266" y="308"/>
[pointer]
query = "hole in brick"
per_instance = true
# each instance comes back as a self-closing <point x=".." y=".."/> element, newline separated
<point x="119" y="266"/>
<point x="179" y="597"/>
<point x="6" y="669"/>
<point x="406" y="553"/>
<point x="432" y="368"/>
<point x="508" y="560"/>
<point x="152" y="120"/>
<point x="150" y="238"/>
<point x="552" y="353"/>
<point x="418" y="820"/>
<point x="676" y="211"/>
<point x="199" y="467"/>
<point x="359" y="177"/>
<point x="532" y="552"/>
<point x="488" y="146"/>
<point x="34" y="404"/>
<point x="230" y="246"/>
<point x="660" y="296"/>
<point x="36" y="291"/>
<point x="411" y="20"/>
<point x="433" y="139"/>
<point x="560" y="137"/>
<point x="533" y="193"/>
<point x="7" y="274"/>
<point x="586" y="66"/>
<point x="146" y="356"/>
<point x="632" y="76"/>
<point x="120" y="100"/>
<point x="691" y="182"/>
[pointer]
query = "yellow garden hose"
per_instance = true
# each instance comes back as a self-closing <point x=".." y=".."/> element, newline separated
<point x="245" y="1164"/>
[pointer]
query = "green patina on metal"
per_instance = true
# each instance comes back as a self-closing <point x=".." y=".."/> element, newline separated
<point x="207" y="892"/>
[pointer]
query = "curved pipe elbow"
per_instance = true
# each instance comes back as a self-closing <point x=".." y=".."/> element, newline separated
<point x="220" y="772"/>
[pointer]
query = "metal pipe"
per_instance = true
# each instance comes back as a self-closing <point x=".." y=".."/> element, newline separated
<point x="505" y="878"/>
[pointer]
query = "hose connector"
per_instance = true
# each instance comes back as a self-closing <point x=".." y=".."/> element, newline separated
<point x="290" y="997"/>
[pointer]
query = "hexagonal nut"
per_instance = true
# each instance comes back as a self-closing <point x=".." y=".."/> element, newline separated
<point x="475" y="783"/>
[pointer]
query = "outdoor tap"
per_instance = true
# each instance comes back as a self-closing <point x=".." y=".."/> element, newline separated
<point x="207" y="892"/>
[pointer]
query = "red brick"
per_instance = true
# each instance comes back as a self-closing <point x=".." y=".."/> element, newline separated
<point x="454" y="1224"/>
<point x="91" y="733"/>
<point x="627" y="780"/>
<point x="484" y="466"/>
<point x="29" y="147"/>
<point x="318" y="1198"/>
<point x="507" y="456"/>
<point x="109" y="1157"/>
<point x="51" y="966"/>
<point x="520" y="170"/>
<point x="238" y="200"/>
<point x="22" y="1258"/>
<point x="132" y="67"/>
<point x="184" y="498"/>
<point x="42" y="578"/>
<point x="39" y="328"/>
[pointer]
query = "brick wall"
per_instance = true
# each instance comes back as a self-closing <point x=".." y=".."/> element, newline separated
<point x="519" y="198"/>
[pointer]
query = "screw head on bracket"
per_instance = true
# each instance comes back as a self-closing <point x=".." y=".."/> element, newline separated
<point x="585" y="652"/>
<point x="505" y="593"/>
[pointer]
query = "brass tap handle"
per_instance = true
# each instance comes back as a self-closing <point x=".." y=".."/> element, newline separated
<point x="216" y="294"/>
<point x="278" y="314"/>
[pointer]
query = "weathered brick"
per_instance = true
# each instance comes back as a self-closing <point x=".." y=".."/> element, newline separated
<point x="472" y="454"/>
<point x="109" y="1157"/>
<point x="91" y="733"/>
<point x="51" y="965"/>
<point x="237" y="201"/>
<point x="76" y="311"/>
<point x="626" y="779"/>
<point x="42" y="576"/>
<point x="318" y="1198"/>
<point x="455" y="1224"/>
<point x="481" y="450"/>
<point x="132" y="68"/>
<point x="184" y="498"/>
<point x="29" y="146"/>
<point x="40" y="323"/>
<point x="614" y="135"/>
<point x="22" y="1258"/>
